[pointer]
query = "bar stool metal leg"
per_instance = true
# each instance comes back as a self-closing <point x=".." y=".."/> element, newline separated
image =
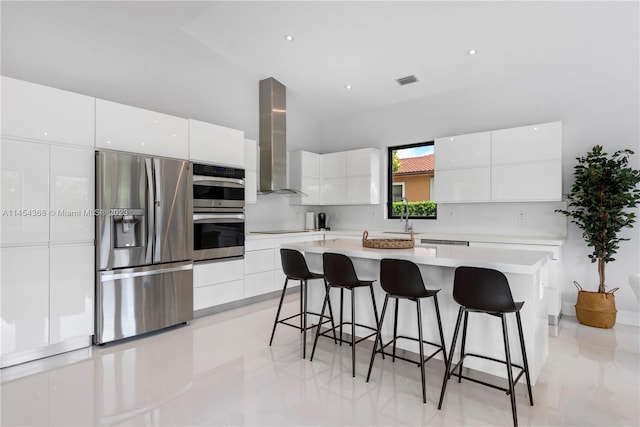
<point x="450" y="359"/>
<point x="375" y="312"/>
<point x="444" y="350"/>
<point x="378" y="337"/>
<point x="315" y="341"/>
<point x="464" y="342"/>
<point x="524" y="357"/>
<point x="353" y="334"/>
<point x="303" y="300"/>
<point x="395" y="329"/>
<point x="512" y="394"/>
<point x="421" y="345"/>
<point x="284" y="290"/>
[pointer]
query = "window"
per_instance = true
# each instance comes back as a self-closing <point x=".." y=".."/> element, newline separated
<point x="411" y="179"/>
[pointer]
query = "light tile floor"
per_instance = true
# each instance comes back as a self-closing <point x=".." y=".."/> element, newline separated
<point x="219" y="370"/>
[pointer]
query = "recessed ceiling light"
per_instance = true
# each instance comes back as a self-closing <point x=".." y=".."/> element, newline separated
<point x="472" y="52"/>
<point x="288" y="37"/>
<point x="348" y="87"/>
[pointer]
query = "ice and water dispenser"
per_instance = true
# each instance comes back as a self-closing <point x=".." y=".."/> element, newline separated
<point x="129" y="228"/>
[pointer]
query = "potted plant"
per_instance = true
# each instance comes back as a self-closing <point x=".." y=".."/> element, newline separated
<point x="604" y="191"/>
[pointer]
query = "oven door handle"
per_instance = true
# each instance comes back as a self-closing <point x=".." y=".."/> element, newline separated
<point x="218" y="182"/>
<point x="221" y="218"/>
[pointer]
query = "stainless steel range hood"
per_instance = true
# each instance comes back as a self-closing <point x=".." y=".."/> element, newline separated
<point x="273" y="138"/>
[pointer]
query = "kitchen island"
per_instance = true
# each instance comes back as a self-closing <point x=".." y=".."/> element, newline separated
<point x="525" y="270"/>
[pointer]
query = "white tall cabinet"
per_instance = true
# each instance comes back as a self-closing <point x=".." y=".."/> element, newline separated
<point x="47" y="271"/>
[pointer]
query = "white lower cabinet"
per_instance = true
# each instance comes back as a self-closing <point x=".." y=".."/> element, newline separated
<point x="47" y="299"/>
<point x="258" y="271"/>
<point x="258" y="283"/>
<point x="71" y="287"/>
<point x="217" y="282"/>
<point x="25" y="299"/>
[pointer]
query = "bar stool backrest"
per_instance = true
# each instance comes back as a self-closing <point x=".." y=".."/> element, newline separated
<point x="294" y="265"/>
<point x="401" y="277"/>
<point x="482" y="289"/>
<point x="339" y="270"/>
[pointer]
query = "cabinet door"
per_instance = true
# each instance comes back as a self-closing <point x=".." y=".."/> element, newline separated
<point x="333" y="165"/>
<point x="25" y="192"/>
<point x="463" y="185"/>
<point x="463" y="151"/>
<point x="126" y="128"/>
<point x="72" y="194"/>
<point x="258" y="261"/>
<point x="360" y="162"/>
<point x="39" y="112"/>
<point x="216" y="294"/>
<point x="334" y="191"/>
<point x="527" y="182"/>
<point x="258" y="283"/>
<point x="304" y="175"/>
<point x="362" y="190"/>
<point x="71" y="290"/>
<point x="215" y="144"/>
<point x="25" y="298"/>
<point x="209" y="273"/>
<point x="527" y="143"/>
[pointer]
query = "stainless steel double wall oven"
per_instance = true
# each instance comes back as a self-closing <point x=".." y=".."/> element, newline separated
<point x="218" y="212"/>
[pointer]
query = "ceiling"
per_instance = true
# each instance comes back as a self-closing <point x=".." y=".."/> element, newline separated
<point x="361" y="43"/>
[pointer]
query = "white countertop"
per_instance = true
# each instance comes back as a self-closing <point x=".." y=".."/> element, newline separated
<point x="484" y="238"/>
<point x="507" y="261"/>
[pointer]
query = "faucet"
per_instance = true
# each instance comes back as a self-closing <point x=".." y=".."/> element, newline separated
<point x="407" y="227"/>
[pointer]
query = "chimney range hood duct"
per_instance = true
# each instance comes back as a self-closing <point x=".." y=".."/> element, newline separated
<point x="273" y="138"/>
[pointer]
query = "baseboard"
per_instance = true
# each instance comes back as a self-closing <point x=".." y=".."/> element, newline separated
<point x="623" y="317"/>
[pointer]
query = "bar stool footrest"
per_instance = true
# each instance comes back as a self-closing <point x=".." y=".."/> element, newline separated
<point x="506" y="390"/>
<point x="342" y="340"/>
<point x="314" y="325"/>
<point x="426" y="359"/>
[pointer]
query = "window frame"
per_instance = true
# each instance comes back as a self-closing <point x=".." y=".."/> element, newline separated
<point x="390" y="150"/>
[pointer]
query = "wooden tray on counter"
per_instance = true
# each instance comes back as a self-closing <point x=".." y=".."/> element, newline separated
<point x="387" y="243"/>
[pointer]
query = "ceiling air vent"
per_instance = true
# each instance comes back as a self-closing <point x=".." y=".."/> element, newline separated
<point x="406" y="80"/>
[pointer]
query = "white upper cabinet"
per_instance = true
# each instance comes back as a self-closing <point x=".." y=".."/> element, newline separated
<point x="250" y="171"/>
<point x="25" y="192"/>
<point x="125" y="128"/>
<point x="363" y="176"/>
<point x="304" y="175"/>
<point x="72" y="194"/>
<point x="361" y="184"/>
<point x="32" y="111"/>
<point x="527" y="163"/>
<point x="527" y="143"/>
<point x="219" y="145"/>
<point x="463" y="168"/>
<point x="334" y="165"/>
<point x="522" y="164"/>
<point x="463" y="151"/>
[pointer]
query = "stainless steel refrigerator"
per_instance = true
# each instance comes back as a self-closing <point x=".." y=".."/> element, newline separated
<point x="144" y="244"/>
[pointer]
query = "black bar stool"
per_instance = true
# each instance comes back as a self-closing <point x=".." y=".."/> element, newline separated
<point x="339" y="273"/>
<point x="295" y="268"/>
<point x="486" y="291"/>
<point x="401" y="279"/>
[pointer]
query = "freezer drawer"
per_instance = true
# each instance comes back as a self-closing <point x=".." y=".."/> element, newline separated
<point x="133" y="301"/>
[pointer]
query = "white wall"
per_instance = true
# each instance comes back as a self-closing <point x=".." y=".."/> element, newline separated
<point x="599" y="106"/>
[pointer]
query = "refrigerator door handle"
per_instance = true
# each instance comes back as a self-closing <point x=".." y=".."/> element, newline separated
<point x="141" y="272"/>
<point x="150" y="210"/>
